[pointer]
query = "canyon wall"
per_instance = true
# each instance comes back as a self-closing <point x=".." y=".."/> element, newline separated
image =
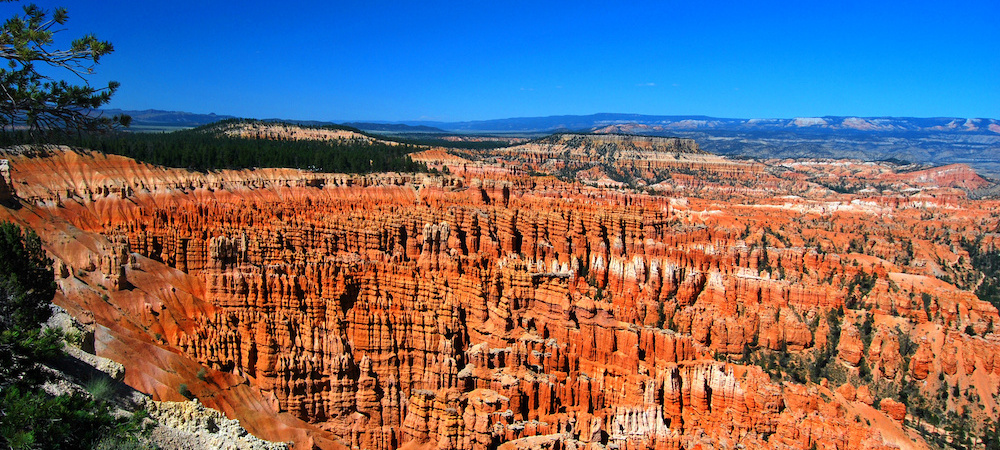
<point x="489" y="308"/>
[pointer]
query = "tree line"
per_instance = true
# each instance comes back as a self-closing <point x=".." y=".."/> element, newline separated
<point x="207" y="148"/>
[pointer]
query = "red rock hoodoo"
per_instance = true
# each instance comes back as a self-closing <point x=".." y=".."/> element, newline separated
<point x="728" y="304"/>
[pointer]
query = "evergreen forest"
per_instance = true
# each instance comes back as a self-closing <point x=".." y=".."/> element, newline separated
<point x="208" y="148"/>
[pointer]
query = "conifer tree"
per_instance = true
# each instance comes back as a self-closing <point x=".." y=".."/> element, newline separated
<point x="31" y="97"/>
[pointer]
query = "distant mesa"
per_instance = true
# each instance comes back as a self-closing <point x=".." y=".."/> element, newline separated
<point x="618" y="143"/>
<point x="809" y="121"/>
<point x="596" y="122"/>
<point x="613" y="159"/>
<point x="394" y="127"/>
<point x="933" y="140"/>
<point x="156" y="117"/>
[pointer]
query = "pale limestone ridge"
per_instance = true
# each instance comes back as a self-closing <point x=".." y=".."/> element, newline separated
<point x="192" y="426"/>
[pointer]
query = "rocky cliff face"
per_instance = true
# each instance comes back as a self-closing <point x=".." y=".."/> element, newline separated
<point x="488" y="309"/>
<point x="620" y="144"/>
<point x="613" y="159"/>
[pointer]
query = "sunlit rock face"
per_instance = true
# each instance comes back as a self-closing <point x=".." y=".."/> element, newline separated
<point x="491" y="308"/>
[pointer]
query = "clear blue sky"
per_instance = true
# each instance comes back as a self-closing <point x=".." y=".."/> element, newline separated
<point x="471" y="60"/>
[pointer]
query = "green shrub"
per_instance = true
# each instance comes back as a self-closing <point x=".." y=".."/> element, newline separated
<point x="100" y="388"/>
<point x="27" y="285"/>
<point x="183" y="390"/>
<point x="33" y="419"/>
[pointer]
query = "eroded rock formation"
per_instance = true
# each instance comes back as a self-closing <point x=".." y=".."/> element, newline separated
<point x="491" y="309"/>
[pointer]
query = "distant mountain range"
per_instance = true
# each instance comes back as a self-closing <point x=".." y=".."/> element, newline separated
<point x="646" y="123"/>
<point x="393" y="127"/>
<point x="152" y="118"/>
<point x="620" y="123"/>
<point x="935" y="140"/>
<point x="158" y="119"/>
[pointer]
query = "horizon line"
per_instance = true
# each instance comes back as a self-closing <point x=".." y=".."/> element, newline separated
<point x="691" y="116"/>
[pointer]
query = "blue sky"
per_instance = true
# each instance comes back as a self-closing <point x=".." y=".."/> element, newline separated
<point x="472" y="60"/>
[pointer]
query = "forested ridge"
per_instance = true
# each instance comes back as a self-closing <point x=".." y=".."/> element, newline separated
<point x="208" y="148"/>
